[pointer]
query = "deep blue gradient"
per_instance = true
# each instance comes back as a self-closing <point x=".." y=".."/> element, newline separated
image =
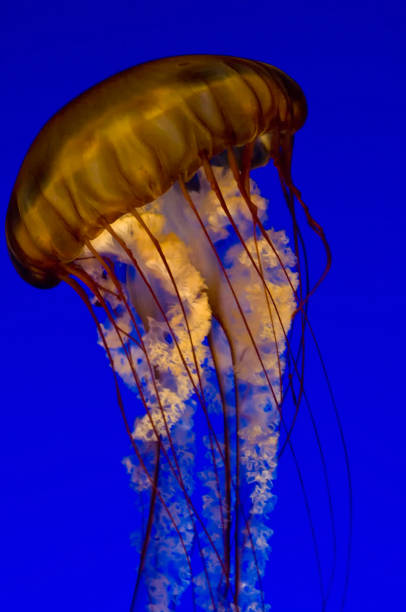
<point x="66" y="507"/>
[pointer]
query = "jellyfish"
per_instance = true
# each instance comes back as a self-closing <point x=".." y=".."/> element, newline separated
<point x="139" y="194"/>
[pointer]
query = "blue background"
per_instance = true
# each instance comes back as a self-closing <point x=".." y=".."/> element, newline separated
<point x="66" y="508"/>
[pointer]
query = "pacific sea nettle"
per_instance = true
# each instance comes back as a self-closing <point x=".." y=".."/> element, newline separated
<point x="138" y="194"/>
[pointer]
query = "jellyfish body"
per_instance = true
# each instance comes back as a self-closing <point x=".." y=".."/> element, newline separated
<point x="124" y="142"/>
<point x="138" y="194"/>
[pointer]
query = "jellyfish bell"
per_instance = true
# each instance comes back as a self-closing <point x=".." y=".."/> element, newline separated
<point x="138" y="194"/>
<point x="164" y="114"/>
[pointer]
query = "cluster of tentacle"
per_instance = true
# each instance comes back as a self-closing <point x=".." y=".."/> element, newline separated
<point x="197" y="299"/>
